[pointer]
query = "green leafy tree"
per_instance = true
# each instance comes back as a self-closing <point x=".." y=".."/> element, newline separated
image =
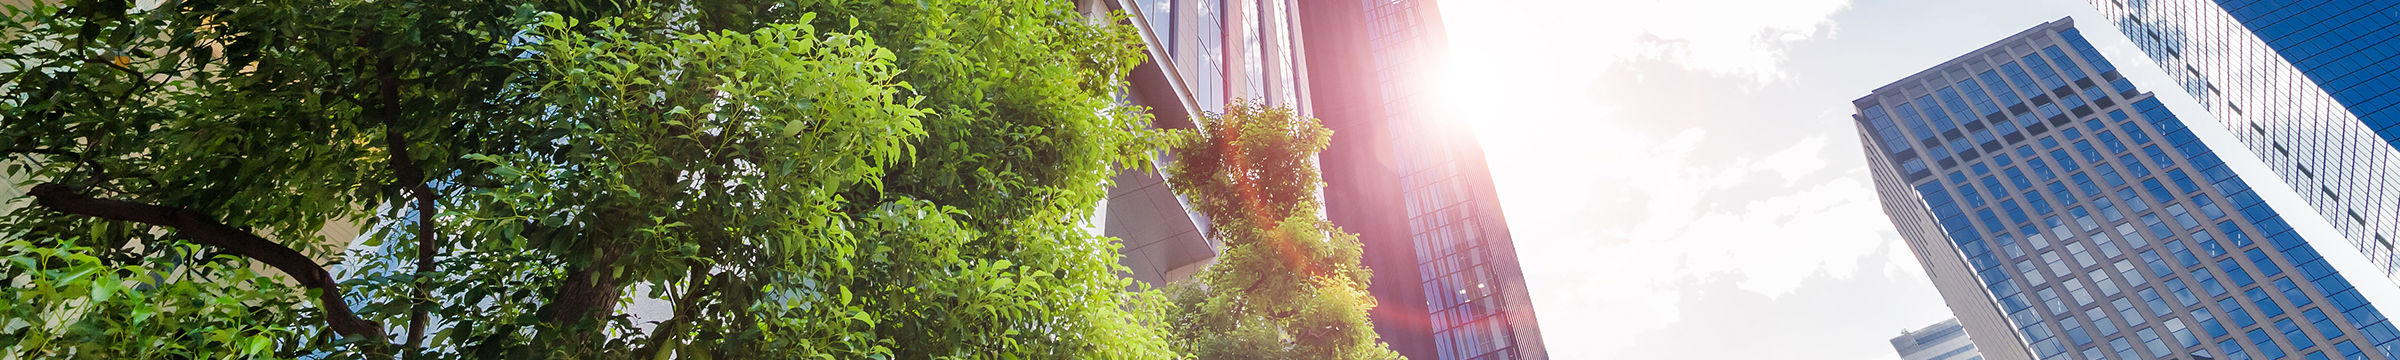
<point x="1289" y="284"/>
<point x="842" y="179"/>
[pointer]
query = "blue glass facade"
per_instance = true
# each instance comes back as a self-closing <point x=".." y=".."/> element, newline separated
<point x="1454" y="227"/>
<point x="1946" y="340"/>
<point x="2346" y="46"/>
<point x="2306" y="85"/>
<point x="2100" y="227"/>
<point x="1231" y="49"/>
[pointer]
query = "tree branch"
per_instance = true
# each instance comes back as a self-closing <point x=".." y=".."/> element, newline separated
<point x="404" y="167"/>
<point x="201" y="229"/>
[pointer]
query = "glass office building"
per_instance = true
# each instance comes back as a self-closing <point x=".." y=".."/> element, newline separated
<point x="2308" y="85"/>
<point x="1415" y="187"/>
<point x="1203" y="55"/>
<point x="2089" y="223"/>
<point x="1946" y="340"/>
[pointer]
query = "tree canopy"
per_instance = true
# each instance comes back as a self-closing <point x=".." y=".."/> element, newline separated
<point x="805" y="178"/>
<point x="1288" y="284"/>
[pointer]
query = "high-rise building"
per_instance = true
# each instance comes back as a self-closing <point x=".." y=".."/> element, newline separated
<point x="2061" y="210"/>
<point x="1414" y="186"/>
<point x="1417" y="192"/>
<point x="1204" y="54"/>
<point x="1941" y="341"/>
<point x="2307" y="85"/>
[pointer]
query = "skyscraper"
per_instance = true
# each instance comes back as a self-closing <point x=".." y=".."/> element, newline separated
<point x="2308" y="85"/>
<point x="2060" y="209"/>
<point x="1945" y="340"/>
<point x="1414" y="186"/>
<point x="1418" y="194"/>
<point x="1204" y="54"/>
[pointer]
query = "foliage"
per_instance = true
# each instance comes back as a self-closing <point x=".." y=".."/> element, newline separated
<point x="1289" y="284"/>
<point x="837" y="179"/>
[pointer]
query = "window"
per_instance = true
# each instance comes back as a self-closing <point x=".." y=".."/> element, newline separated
<point x="2109" y="174"/>
<point x="2182" y="217"/>
<point x="1916" y="124"/>
<point x="2057" y="268"/>
<point x="2082" y="259"/>
<point x="2183" y="294"/>
<point x="2100" y="322"/>
<point x="2208" y="282"/>
<point x="2032" y="277"/>
<point x="2133" y="319"/>
<point x="2133" y="165"/>
<point x="2084" y="182"/>
<point x="2208" y="207"/>
<point x="1893" y="142"/>
<point x="1999" y="88"/>
<point x="2125" y="267"/>
<point x="2266" y="305"/>
<point x="2074" y="330"/>
<point x="2183" y="255"/>
<point x="2266" y="267"/>
<point x="2110" y="141"/>
<point x="2042" y="70"/>
<point x="2108" y="248"/>
<point x="1958" y="107"/>
<point x="2133" y="202"/>
<point x="2233" y="350"/>
<point x="2017" y="177"/>
<point x="2131" y="131"/>
<point x="2158" y="305"/>
<point x="2158" y="348"/>
<point x="2233" y="311"/>
<point x="2157" y="265"/>
<point x="2108" y="209"/>
<point x="2266" y="345"/>
<point x="2133" y="239"/>
<point x="2075" y="289"/>
<point x="2156" y="226"/>
<point x="2182" y="334"/>
<point x="2233" y="271"/>
<point x="2064" y="64"/>
<point x="2100" y="280"/>
<point x="2292" y="292"/>
<point x="1934" y="115"/>
<point x="2208" y="244"/>
<point x="2008" y="245"/>
<point x="2065" y="164"/>
<point x="2015" y="214"/>
<point x="2024" y="83"/>
<point x="2050" y="301"/>
<point x="2291" y="332"/>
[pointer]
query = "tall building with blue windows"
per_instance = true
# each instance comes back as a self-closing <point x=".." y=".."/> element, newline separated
<point x="2308" y="85"/>
<point x="1446" y="279"/>
<point x="1203" y="54"/>
<point x="2068" y="215"/>
<point x="1415" y="187"/>
<point x="1946" y="340"/>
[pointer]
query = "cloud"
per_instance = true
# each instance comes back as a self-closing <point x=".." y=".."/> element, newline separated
<point x="1744" y="39"/>
<point x="1722" y="321"/>
<point x="1682" y="177"/>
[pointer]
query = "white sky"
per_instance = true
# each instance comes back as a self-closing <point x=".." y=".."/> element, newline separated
<point x="1682" y="178"/>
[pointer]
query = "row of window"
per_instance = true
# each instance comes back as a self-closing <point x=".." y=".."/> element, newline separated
<point x="1946" y="124"/>
<point x="2032" y="324"/>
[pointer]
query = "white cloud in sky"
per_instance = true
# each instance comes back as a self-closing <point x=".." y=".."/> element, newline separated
<point x="1685" y="173"/>
<point x="1744" y="38"/>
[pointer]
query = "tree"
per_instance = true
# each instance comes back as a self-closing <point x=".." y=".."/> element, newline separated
<point x="1289" y="284"/>
<point x="854" y="179"/>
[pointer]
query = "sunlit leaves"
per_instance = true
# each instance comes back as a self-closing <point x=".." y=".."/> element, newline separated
<point x="1289" y="284"/>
